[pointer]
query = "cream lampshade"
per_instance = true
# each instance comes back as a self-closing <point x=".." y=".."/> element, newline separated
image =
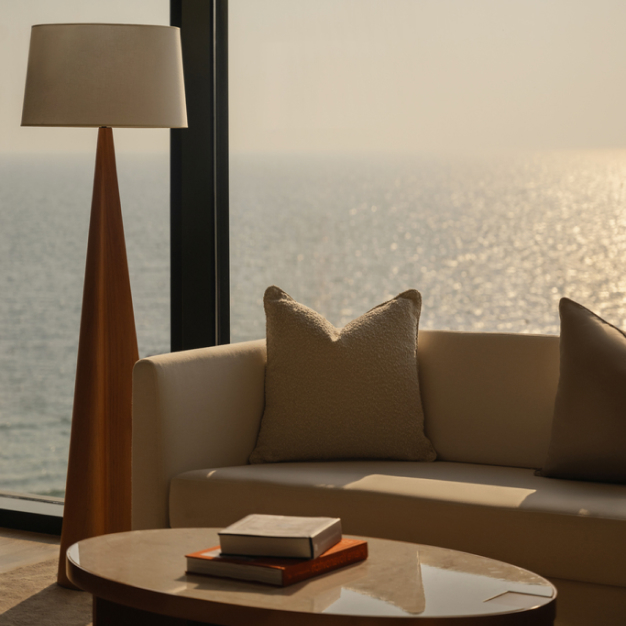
<point x="118" y="75"/>
<point x="103" y="75"/>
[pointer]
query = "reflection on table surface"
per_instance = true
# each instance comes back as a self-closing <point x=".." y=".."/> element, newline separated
<point x="428" y="581"/>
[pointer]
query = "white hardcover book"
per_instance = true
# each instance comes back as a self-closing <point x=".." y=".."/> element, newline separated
<point x="281" y="535"/>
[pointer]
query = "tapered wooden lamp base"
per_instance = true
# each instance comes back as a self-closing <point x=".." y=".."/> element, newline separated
<point x="98" y="489"/>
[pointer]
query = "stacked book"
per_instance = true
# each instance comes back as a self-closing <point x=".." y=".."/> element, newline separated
<point x="278" y="550"/>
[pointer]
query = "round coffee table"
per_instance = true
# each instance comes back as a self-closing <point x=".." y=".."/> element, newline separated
<point x="140" y="576"/>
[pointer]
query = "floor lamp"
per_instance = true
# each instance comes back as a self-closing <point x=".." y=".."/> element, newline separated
<point x="103" y="75"/>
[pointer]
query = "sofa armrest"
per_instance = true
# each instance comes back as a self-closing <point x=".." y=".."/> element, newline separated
<point x="192" y="410"/>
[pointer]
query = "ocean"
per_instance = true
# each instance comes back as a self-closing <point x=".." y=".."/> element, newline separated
<point x="491" y="242"/>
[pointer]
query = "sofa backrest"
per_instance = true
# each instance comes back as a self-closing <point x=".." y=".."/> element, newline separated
<point x="489" y="397"/>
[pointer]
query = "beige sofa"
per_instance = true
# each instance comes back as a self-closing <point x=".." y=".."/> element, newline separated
<point x="488" y="401"/>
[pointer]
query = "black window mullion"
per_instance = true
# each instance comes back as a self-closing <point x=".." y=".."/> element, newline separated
<point x="199" y="181"/>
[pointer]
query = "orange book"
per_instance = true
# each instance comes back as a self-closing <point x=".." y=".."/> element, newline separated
<point x="275" y="570"/>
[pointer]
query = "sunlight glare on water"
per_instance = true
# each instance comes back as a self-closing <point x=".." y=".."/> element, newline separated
<point x="491" y="243"/>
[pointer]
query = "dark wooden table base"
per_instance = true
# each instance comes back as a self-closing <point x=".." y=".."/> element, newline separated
<point x="107" y="613"/>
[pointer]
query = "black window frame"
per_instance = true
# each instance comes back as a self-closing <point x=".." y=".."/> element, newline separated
<point x="29" y="512"/>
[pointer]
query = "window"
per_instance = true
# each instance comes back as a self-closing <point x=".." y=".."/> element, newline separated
<point x="46" y="178"/>
<point x="471" y="150"/>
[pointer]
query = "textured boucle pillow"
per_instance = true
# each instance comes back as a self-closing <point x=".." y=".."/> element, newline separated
<point x="350" y="393"/>
<point x="588" y="439"/>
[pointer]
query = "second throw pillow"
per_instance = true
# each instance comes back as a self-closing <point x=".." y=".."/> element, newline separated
<point x="589" y="427"/>
<point x="350" y="393"/>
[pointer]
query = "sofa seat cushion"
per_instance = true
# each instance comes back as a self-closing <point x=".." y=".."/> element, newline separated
<point x="557" y="528"/>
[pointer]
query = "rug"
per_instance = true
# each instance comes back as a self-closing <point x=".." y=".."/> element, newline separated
<point x="29" y="596"/>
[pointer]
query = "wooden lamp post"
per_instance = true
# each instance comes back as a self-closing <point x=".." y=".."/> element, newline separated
<point x="103" y="75"/>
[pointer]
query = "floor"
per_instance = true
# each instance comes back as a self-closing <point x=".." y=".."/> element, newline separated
<point x="18" y="548"/>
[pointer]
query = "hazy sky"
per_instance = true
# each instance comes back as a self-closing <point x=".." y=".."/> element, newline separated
<point x="409" y="75"/>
